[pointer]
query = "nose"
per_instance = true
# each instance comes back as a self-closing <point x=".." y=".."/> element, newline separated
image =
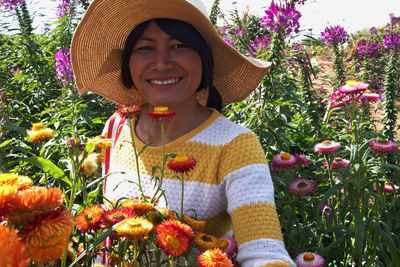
<point x="162" y="60"/>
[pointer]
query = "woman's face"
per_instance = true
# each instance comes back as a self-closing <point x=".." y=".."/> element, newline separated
<point x="164" y="70"/>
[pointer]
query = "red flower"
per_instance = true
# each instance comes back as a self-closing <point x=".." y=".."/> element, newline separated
<point x="90" y="218"/>
<point x="214" y="258"/>
<point x="174" y="237"/>
<point x="129" y="111"/>
<point x="161" y="114"/>
<point x="112" y="217"/>
<point x="182" y="164"/>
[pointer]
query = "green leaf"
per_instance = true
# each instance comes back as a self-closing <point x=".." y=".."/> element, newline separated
<point x="11" y="126"/>
<point x="48" y="167"/>
<point x="6" y="143"/>
<point x="359" y="232"/>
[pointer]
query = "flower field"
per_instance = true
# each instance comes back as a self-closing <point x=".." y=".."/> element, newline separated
<point x="333" y="150"/>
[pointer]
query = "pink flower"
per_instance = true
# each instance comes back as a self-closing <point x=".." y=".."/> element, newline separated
<point x="302" y="187"/>
<point x="371" y="97"/>
<point x="227" y="244"/>
<point x="383" y="146"/>
<point x="338" y="163"/>
<point x="309" y="259"/>
<point x="283" y="161"/>
<point x="302" y="159"/>
<point x="352" y="87"/>
<point x="326" y="147"/>
<point x="390" y="188"/>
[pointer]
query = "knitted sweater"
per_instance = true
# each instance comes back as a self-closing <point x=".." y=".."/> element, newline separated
<point x="230" y="186"/>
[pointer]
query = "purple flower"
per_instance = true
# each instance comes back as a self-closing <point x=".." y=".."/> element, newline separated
<point x="239" y="32"/>
<point x="326" y="210"/>
<point x="63" y="8"/>
<point x="391" y="41"/>
<point x="15" y="71"/>
<point x="373" y="31"/>
<point x="259" y="45"/>
<point x="367" y="49"/>
<point x="335" y="35"/>
<point x="229" y="41"/>
<point x="63" y="65"/>
<point x="11" y="4"/>
<point x="283" y="16"/>
<point x="394" y="19"/>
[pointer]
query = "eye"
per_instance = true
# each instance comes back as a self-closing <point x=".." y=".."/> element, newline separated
<point x="180" y="45"/>
<point x="142" y="48"/>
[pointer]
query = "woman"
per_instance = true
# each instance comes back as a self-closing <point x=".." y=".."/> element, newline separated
<point x="167" y="53"/>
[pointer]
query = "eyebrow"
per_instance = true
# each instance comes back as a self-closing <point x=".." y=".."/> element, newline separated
<point x="152" y="40"/>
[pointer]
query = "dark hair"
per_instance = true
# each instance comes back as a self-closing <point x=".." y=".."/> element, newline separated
<point x="187" y="34"/>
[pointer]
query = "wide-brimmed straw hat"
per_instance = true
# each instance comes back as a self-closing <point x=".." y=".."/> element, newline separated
<point x="99" y="40"/>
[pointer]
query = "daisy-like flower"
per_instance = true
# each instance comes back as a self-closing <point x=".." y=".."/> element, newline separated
<point x="302" y="187"/>
<point x="12" y="179"/>
<point x="156" y="217"/>
<point x="371" y="97"/>
<point x="214" y="258"/>
<point x="326" y="147"/>
<point x="161" y="114"/>
<point x="90" y="218"/>
<point x="353" y="87"/>
<point x="338" y="163"/>
<point x="174" y="237"/>
<point x="134" y="228"/>
<point x="204" y="241"/>
<point x="111" y="217"/>
<point x="284" y="160"/>
<point x="39" y="132"/>
<point x="302" y="159"/>
<point x="34" y="201"/>
<point x="309" y="259"/>
<point x="390" y="188"/>
<point x="383" y="146"/>
<point x="139" y="206"/>
<point x="12" y="252"/>
<point x="101" y="142"/>
<point x="227" y="244"/>
<point x="182" y="164"/>
<point x="89" y="165"/>
<point x="129" y="111"/>
<point x="7" y="193"/>
<point x="197" y="225"/>
<point x="47" y="237"/>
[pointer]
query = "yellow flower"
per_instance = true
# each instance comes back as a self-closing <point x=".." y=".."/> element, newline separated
<point x="12" y="179"/>
<point x="134" y="228"/>
<point x="39" y="132"/>
<point x="204" y="241"/>
<point x="141" y="207"/>
<point x="89" y="165"/>
<point x="197" y="225"/>
<point x="214" y="258"/>
<point x="7" y="193"/>
<point x="101" y="142"/>
<point x="12" y="250"/>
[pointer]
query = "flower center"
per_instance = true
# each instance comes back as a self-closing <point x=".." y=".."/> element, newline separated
<point x="308" y="257"/>
<point x="160" y="110"/>
<point x="205" y="238"/>
<point x="132" y="224"/>
<point x="52" y="241"/>
<point x="327" y="143"/>
<point x="222" y="244"/>
<point x="89" y="216"/>
<point x="337" y="159"/>
<point x="352" y="83"/>
<point x="383" y="142"/>
<point x="37" y="126"/>
<point x="302" y="185"/>
<point x="118" y="216"/>
<point x="172" y="241"/>
<point x="181" y="159"/>
<point x="285" y="156"/>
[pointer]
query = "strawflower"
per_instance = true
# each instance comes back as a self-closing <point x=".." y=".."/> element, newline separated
<point x="12" y="252"/>
<point x="161" y="114"/>
<point x="302" y="187"/>
<point x="12" y="179"/>
<point x="174" y="237"/>
<point x="139" y="206"/>
<point x="309" y="259"/>
<point x="353" y="87"/>
<point x="47" y="237"/>
<point x="90" y="218"/>
<point x="111" y="217"/>
<point x="302" y="159"/>
<point x="39" y="132"/>
<point x="64" y="66"/>
<point x="214" y="258"/>
<point x="227" y="244"/>
<point x="182" y="164"/>
<point x="89" y="165"/>
<point x="338" y="163"/>
<point x="101" y="142"/>
<point x="334" y="35"/>
<point x="390" y="188"/>
<point x="204" y="241"/>
<point x="7" y="193"/>
<point x="383" y="146"/>
<point x="129" y="111"/>
<point x="371" y="97"/>
<point x="283" y="161"/>
<point x="197" y="225"/>
<point x="134" y="228"/>
<point x="326" y="147"/>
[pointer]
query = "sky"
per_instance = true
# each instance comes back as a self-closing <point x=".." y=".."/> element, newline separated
<point x="353" y="15"/>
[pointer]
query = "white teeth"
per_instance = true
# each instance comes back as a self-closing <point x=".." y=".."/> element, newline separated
<point x="157" y="82"/>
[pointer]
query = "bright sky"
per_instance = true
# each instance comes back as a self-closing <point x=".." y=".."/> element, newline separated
<point x="353" y="15"/>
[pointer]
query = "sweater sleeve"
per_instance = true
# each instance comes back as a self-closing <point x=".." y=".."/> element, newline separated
<point x="251" y="205"/>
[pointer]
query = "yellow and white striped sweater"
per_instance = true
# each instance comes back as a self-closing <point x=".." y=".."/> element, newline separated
<point x="230" y="186"/>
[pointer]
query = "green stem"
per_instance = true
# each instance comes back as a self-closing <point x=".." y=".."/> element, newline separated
<point x="171" y="261"/>
<point x="183" y="191"/>
<point x="136" y="159"/>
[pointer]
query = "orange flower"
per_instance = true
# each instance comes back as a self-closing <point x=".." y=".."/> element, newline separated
<point x="7" y="193"/>
<point x="141" y="207"/>
<point x="129" y="111"/>
<point x="20" y="181"/>
<point x="204" y="241"/>
<point x="134" y="228"/>
<point x="12" y="252"/>
<point x="101" y="142"/>
<point x="34" y="201"/>
<point x="90" y="218"/>
<point x="197" y="225"/>
<point x="161" y="114"/>
<point x="112" y="217"/>
<point x="158" y="216"/>
<point x="182" y="164"/>
<point x="47" y="237"/>
<point x="174" y="237"/>
<point x="39" y="132"/>
<point x="214" y="258"/>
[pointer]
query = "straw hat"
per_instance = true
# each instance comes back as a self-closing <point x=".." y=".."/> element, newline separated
<point x="100" y="37"/>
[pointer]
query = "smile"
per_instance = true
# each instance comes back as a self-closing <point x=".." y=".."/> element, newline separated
<point x="165" y="82"/>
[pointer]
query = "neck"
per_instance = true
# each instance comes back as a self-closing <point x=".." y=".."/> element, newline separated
<point x="187" y="118"/>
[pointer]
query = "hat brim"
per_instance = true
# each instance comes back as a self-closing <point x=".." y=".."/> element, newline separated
<point x="99" y="40"/>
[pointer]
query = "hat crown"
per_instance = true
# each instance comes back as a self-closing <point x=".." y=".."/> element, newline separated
<point x="199" y="5"/>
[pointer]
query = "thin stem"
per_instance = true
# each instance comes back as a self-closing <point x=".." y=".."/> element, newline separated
<point x="183" y="191"/>
<point x="136" y="158"/>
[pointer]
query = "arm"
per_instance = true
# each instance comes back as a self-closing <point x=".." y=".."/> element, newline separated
<point x="251" y="205"/>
